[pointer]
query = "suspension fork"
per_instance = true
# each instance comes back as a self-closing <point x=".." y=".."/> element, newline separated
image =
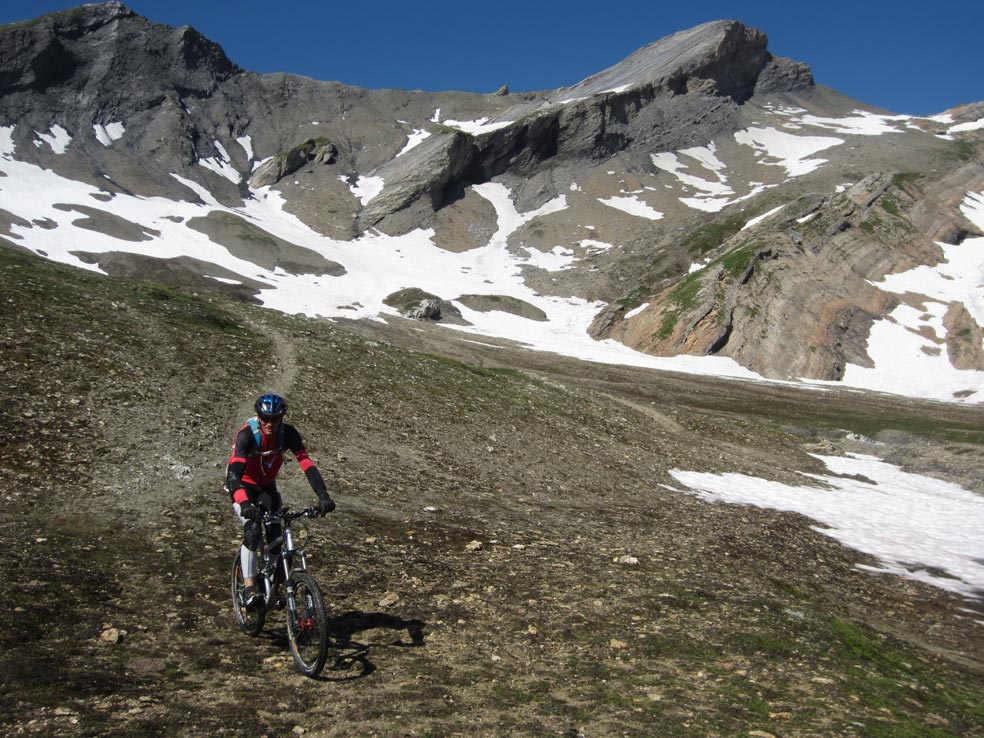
<point x="290" y="595"/>
<point x="287" y="554"/>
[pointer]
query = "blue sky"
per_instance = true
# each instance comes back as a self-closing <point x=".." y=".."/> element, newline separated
<point x="908" y="57"/>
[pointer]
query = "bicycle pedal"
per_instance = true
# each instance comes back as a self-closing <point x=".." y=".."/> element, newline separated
<point x="281" y="603"/>
<point x="251" y="602"/>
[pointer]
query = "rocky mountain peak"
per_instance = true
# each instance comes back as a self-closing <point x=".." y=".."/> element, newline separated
<point x="102" y="59"/>
<point x="724" y="57"/>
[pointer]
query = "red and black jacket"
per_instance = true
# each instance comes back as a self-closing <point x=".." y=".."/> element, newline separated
<point x="249" y="465"/>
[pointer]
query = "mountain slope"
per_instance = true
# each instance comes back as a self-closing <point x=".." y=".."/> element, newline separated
<point x="601" y="600"/>
<point x="545" y="218"/>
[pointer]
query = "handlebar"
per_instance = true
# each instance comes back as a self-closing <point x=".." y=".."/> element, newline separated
<point x="288" y="517"/>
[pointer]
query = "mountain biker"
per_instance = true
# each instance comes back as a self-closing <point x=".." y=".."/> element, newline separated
<point x="251" y="478"/>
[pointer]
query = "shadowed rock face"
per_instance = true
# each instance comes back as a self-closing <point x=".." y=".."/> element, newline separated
<point x="102" y="58"/>
<point x="788" y="299"/>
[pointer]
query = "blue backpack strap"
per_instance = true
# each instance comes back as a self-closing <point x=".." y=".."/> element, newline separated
<point x="254" y="425"/>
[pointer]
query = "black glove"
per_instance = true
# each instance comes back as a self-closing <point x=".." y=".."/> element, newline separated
<point x="249" y="511"/>
<point x="325" y="505"/>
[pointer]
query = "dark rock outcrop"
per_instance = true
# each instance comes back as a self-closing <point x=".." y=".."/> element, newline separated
<point x="318" y="151"/>
<point x="102" y="62"/>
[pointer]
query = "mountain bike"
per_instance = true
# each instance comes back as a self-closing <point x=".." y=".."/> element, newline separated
<point x="307" y="624"/>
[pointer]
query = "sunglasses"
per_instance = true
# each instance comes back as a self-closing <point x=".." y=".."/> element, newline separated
<point x="269" y="418"/>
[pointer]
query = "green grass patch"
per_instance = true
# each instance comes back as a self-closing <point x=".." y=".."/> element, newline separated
<point x="906" y="178"/>
<point x="886" y="678"/>
<point x="635" y="297"/>
<point x="859" y="644"/>
<point x="871" y="224"/>
<point x="735" y="262"/>
<point x="890" y="206"/>
<point x="683" y="297"/>
<point x="963" y="151"/>
<point x="767" y="643"/>
<point x="666" y="327"/>
<point x="708" y="237"/>
<point x="927" y="427"/>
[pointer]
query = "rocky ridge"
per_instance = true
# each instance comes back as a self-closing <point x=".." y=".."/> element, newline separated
<point x="198" y="128"/>
<point x="728" y="308"/>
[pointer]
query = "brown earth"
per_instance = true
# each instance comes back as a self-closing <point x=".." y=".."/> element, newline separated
<point x="121" y="400"/>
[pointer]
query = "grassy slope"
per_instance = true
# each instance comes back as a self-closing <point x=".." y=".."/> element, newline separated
<point x="121" y="402"/>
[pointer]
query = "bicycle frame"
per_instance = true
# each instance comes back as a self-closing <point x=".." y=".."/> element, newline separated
<point x="288" y="561"/>
<point x="307" y="621"/>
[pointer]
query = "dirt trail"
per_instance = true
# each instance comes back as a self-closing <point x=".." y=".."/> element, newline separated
<point x="280" y="377"/>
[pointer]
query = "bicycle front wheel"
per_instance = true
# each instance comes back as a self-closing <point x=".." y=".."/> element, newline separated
<point x="307" y="625"/>
<point x="249" y="620"/>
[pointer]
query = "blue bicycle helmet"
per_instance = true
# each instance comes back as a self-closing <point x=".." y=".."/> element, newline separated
<point x="271" y="405"/>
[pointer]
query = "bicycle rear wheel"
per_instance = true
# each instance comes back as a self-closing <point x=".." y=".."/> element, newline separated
<point x="250" y="621"/>
<point x="307" y="625"/>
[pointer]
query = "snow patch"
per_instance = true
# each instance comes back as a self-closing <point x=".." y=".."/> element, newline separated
<point x="632" y="206"/>
<point x="788" y="150"/>
<point x="58" y="139"/>
<point x="7" y="145"/>
<point x="860" y="124"/>
<point x="221" y="164"/>
<point x="108" y="133"/>
<point x="414" y="140"/>
<point x="668" y="162"/>
<point x="247" y="143"/>
<point x="918" y="527"/>
<point x="592" y="246"/>
<point x="555" y="260"/>
<point x="971" y="126"/>
<point x="764" y="216"/>
<point x="476" y="127"/>
<point x="366" y="188"/>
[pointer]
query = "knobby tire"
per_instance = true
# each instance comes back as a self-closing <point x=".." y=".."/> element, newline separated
<point x="307" y="628"/>
<point x="249" y="621"/>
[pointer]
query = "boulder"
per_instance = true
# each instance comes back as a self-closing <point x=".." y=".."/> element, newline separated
<point x="313" y="150"/>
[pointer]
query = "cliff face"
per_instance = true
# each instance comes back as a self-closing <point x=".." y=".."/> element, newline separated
<point x="643" y="176"/>
<point x="678" y="92"/>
